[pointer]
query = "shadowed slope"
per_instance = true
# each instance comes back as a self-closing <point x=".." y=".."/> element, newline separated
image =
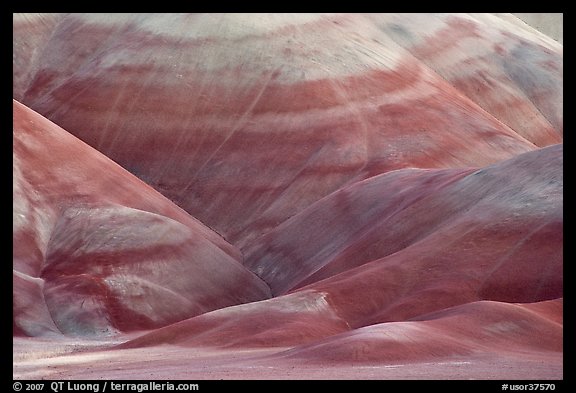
<point x="95" y="249"/>
<point x="506" y="246"/>
<point x="486" y="215"/>
<point x="502" y="240"/>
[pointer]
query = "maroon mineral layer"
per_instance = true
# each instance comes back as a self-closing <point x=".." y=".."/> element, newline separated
<point x="286" y="196"/>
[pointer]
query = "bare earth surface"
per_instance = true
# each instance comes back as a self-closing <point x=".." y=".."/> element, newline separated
<point x="287" y="196"/>
<point x="75" y="359"/>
